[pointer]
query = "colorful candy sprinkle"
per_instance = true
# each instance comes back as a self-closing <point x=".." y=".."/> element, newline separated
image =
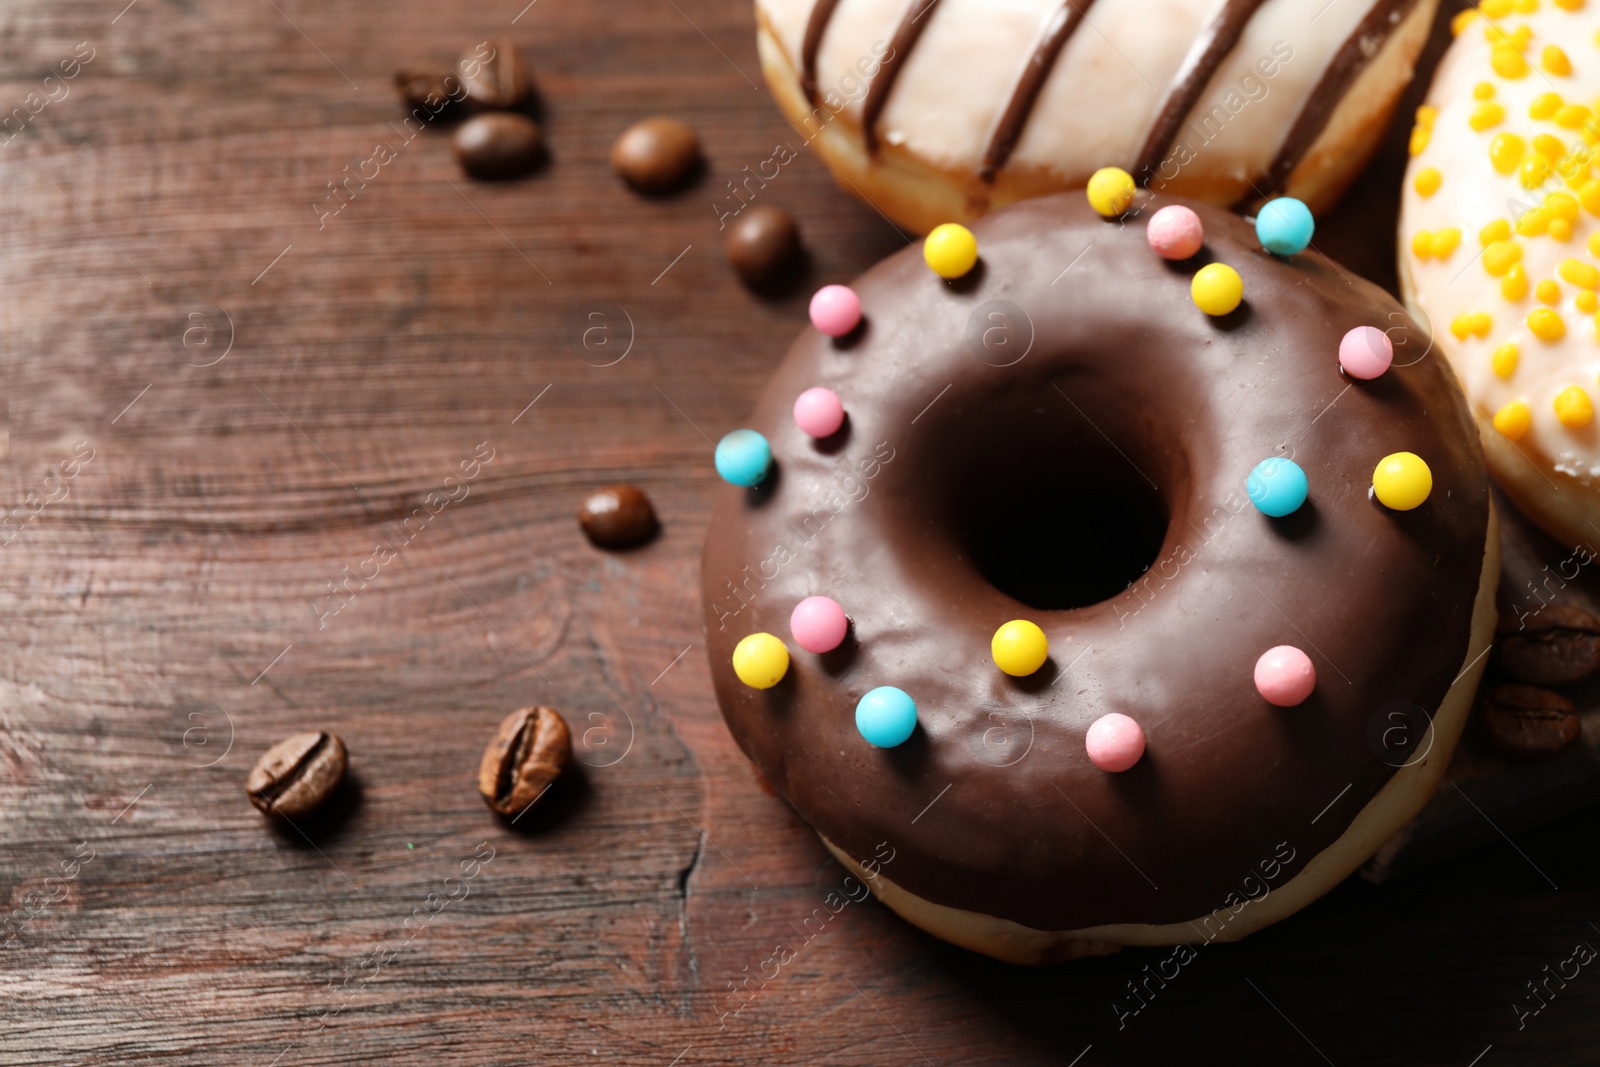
<point x="819" y="624"/>
<point x="886" y="717"/>
<point x="1285" y="226"/>
<point x="1019" y="648"/>
<point x="951" y="250"/>
<point x="1402" y="481"/>
<point x="819" y="412"/>
<point x="1366" y="352"/>
<point x="1285" y="676"/>
<point x="835" y="310"/>
<point x="1111" y="191"/>
<point x="1277" y="486"/>
<point x="1217" y="289"/>
<point x="1114" y="742"/>
<point x="743" y="457"/>
<point x="760" y="661"/>
<point x="1175" y="232"/>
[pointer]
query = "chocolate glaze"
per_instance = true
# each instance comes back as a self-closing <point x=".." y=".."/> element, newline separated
<point x="816" y="25"/>
<point x="912" y="23"/>
<point x="1205" y="56"/>
<point x="1182" y="408"/>
<point x="1009" y="126"/>
<point x="1358" y="50"/>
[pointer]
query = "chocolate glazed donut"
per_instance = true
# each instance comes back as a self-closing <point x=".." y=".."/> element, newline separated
<point x="1062" y="436"/>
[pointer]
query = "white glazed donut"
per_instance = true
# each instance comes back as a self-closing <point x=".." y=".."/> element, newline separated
<point x="940" y="110"/>
<point x="1500" y="245"/>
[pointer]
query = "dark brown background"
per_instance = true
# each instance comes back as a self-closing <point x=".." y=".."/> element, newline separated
<point x="158" y="633"/>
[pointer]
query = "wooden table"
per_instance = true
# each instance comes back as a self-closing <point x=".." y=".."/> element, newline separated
<point x="261" y="401"/>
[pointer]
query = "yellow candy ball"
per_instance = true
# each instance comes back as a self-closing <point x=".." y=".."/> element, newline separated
<point x="950" y="250"/>
<point x="1217" y="289"/>
<point x="1019" y="648"/>
<point x="1402" y="481"/>
<point x="1111" y="191"/>
<point x="760" y="661"/>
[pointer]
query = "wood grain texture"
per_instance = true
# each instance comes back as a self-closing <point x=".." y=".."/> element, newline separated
<point x="158" y="628"/>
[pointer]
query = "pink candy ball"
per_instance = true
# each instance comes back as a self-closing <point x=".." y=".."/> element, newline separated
<point x="819" y="412"/>
<point x="1285" y="676"/>
<point x="1115" y="742"/>
<point x="1175" y="232"/>
<point x="835" y="310"/>
<point x="818" y="624"/>
<point x="1366" y="352"/>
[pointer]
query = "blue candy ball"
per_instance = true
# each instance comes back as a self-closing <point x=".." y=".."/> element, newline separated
<point x="1285" y="226"/>
<point x="743" y="457"/>
<point x="886" y="717"/>
<point x="1277" y="487"/>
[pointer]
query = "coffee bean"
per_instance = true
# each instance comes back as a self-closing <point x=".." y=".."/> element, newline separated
<point x="498" y="144"/>
<point x="655" y="155"/>
<point x="426" y="88"/>
<point x="495" y="75"/>
<point x="298" y="775"/>
<point x="1525" y="721"/>
<point x="618" y="516"/>
<point x="528" y="753"/>
<point x="1557" y="645"/>
<point x="763" y="244"/>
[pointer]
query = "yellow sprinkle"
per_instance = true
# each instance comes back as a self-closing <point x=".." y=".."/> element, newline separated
<point x="1533" y="223"/>
<point x="1535" y="169"/>
<point x="1545" y="105"/>
<point x="1505" y="152"/>
<point x="1504" y="360"/>
<point x="1560" y="229"/>
<point x="1419" y="139"/>
<point x="1574" y="169"/>
<point x="1573" y="407"/>
<point x="1521" y="36"/>
<point x="1485" y="115"/>
<point x="1495" y="9"/>
<point x="1513" y="420"/>
<point x="1483" y="91"/>
<point x="1427" y="181"/>
<point x="1514" y="286"/>
<point x="1569" y="5"/>
<point x="1555" y="61"/>
<point x="1427" y="115"/>
<point x="1500" y="230"/>
<point x="1526" y="7"/>
<point x="1547" y="144"/>
<point x="1547" y="292"/>
<point x="1508" y="62"/>
<point x="1422" y="244"/>
<point x="1594" y="244"/>
<point x="1460" y="326"/>
<point x="1572" y="116"/>
<point x="1587" y="301"/>
<point x="1464" y="19"/>
<point x="1480" y="323"/>
<point x="1501" y="256"/>
<point x="1444" y="242"/>
<point x="1562" y="206"/>
<point x="1547" y="325"/>
<point x="1581" y="274"/>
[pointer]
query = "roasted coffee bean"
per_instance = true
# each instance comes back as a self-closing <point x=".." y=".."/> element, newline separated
<point x="763" y="244"/>
<point x="528" y="753"/>
<point x="498" y="144"/>
<point x="1554" y="646"/>
<point x="655" y="155"/>
<point x="298" y="775"/>
<point x="618" y="516"/>
<point x="495" y="75"/>
<point x="428" y="88"/>
<point x="1525" y="721"/>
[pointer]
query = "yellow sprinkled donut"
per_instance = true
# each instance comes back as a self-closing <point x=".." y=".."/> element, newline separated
<point x="1500" y="244"/>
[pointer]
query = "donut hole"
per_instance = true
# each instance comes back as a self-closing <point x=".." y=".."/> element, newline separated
<point x="1074" y="525"/>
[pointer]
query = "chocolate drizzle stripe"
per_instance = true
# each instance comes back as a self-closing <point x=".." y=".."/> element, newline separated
<point x="1025" y="94"/>
<point x="912" y="23"/>
<point x="1205" y="56"/>
<point x="1358" y="50"/>
<point x="816" y="26"/>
